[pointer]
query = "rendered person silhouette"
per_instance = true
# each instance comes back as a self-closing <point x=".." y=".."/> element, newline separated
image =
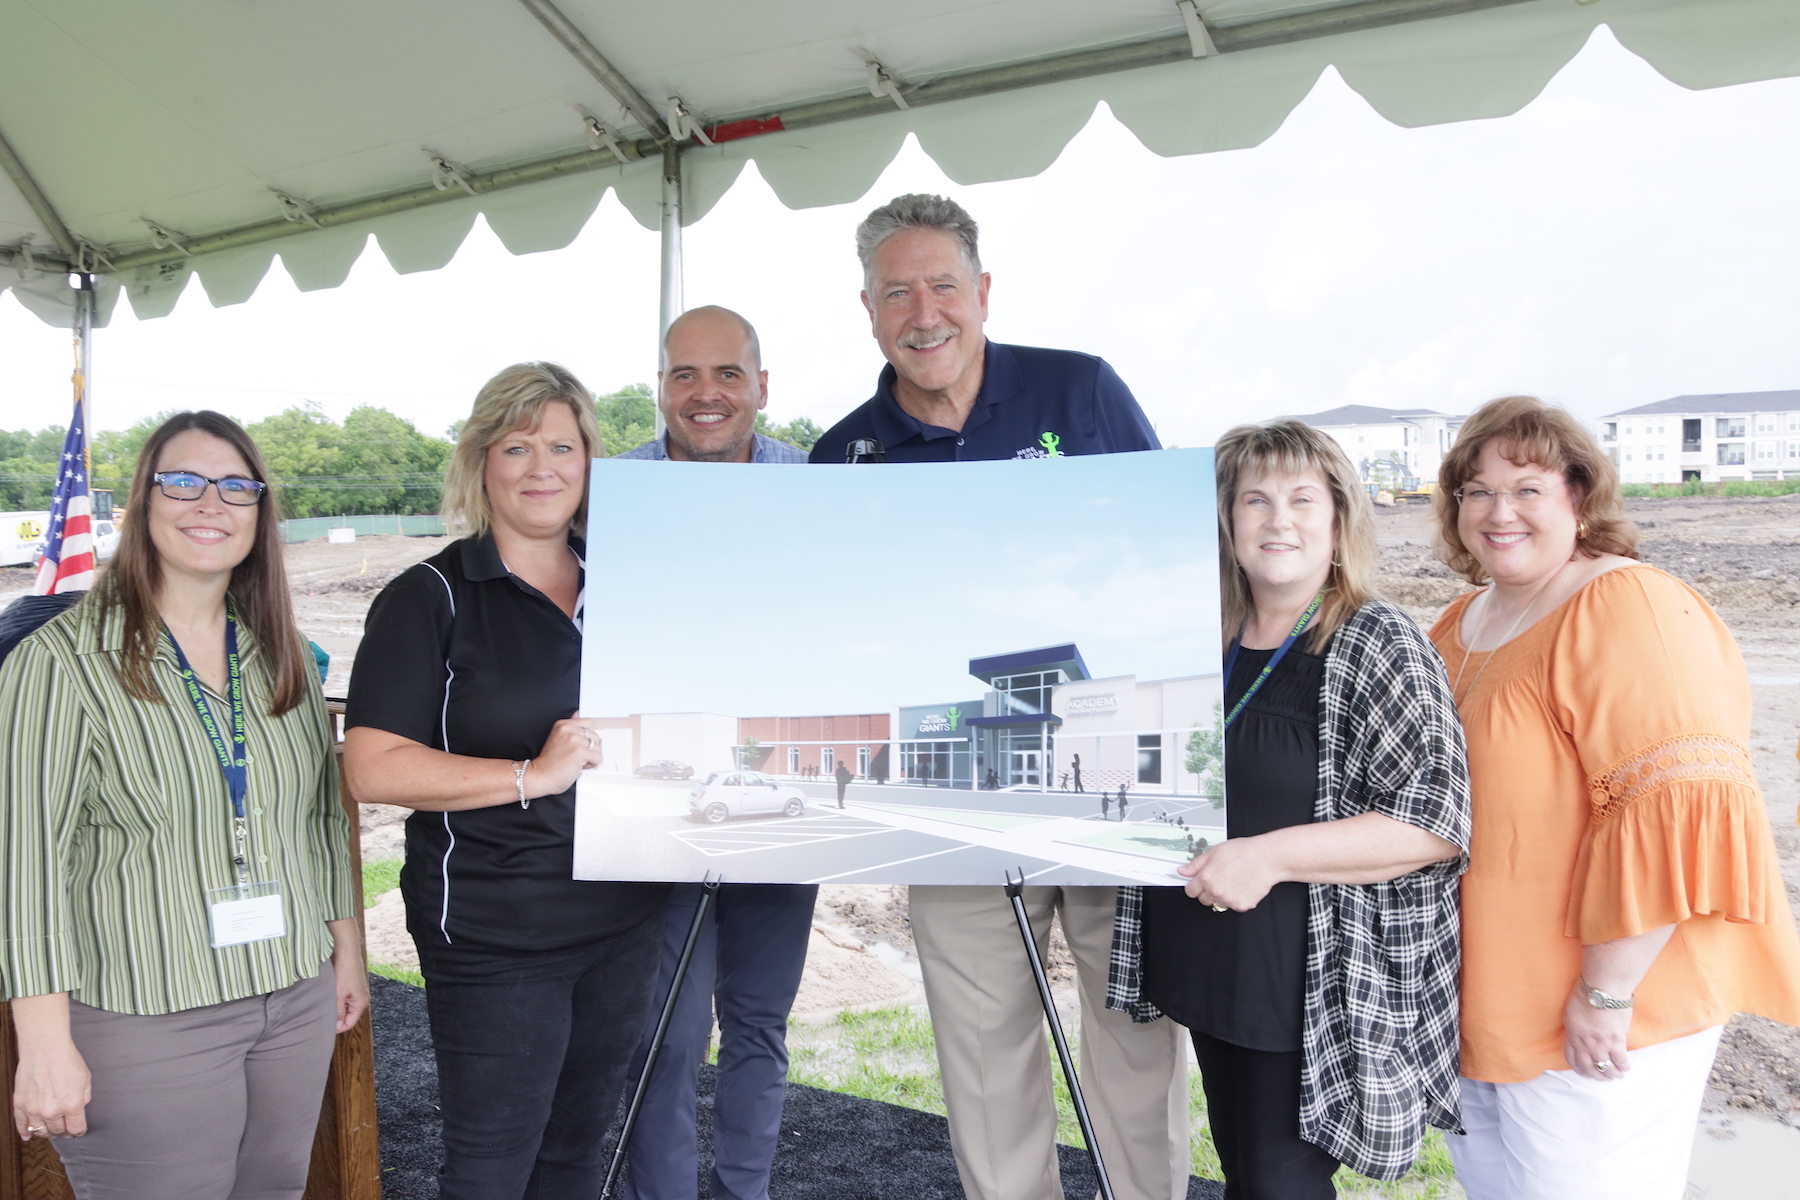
<point x="993" y="780"/>
<point x="843" y="777"/>
<point x="1105" y="803"/>
<point x="1121" y="802"/>
<point x="1075" y="762"/>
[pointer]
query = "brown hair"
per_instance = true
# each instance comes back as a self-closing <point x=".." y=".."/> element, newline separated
<point x="1291" y="447"/>
<point x="513" y="399"/>
<point x="259" y="588"/>
<point x="1529" y="432"/>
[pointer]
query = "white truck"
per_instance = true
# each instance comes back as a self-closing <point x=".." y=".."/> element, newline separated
<point x="20" y="534"/>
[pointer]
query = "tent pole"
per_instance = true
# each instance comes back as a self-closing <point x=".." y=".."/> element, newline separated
<point x="671" y="303"/>
<point x="84" y="367"/>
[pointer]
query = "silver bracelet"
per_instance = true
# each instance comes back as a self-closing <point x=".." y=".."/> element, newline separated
<point x="519" y="769"/>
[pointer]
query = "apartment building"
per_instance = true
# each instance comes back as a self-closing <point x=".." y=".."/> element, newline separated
<point x="1712" y="438"/>
<point x="1416" y="438"/>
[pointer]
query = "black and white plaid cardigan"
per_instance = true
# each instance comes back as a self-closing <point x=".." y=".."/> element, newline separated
<point x="1379" y="1044"/>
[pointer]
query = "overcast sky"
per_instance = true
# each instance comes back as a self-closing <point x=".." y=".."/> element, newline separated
<point x="1113" y="552"/>
<point x="1620" y="240"/>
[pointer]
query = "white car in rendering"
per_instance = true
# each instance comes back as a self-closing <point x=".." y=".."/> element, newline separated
<point x="726" y="794"/>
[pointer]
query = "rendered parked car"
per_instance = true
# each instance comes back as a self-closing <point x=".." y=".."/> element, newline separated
<point x="727" y="794"/>
<point x="664" y="768"/>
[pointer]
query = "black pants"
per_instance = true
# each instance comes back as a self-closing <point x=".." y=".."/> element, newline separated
<point x="532" y="1048"/>
<point x="1253" y="1106"/>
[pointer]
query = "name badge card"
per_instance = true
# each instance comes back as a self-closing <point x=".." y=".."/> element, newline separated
<point x="246" y="912"/>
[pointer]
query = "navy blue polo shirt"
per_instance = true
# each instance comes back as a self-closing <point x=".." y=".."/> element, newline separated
<point x="1033" y="403"/>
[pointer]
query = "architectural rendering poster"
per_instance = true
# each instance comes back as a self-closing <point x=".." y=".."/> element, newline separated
<point x="902" y="673"/>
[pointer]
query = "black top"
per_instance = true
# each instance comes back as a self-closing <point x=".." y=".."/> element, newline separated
<point x="1033" y="403"/>
<point x="461" y="655"/>
<point x="1241" y="977"/>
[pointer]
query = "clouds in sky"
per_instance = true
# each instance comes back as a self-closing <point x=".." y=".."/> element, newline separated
<point x="1618" y="241"/>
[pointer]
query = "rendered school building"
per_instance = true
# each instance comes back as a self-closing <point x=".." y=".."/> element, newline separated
<point x="1041" y="720"/>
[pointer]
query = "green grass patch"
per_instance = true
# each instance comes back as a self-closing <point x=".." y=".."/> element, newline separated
<point x="380" y="876"/>
<point x="401" y="974"/>
<point x="1693" y="487"/>
<point x="890" y="1055"/>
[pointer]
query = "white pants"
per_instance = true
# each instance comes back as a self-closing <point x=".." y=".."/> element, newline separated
<point x="1563" y="1137"/>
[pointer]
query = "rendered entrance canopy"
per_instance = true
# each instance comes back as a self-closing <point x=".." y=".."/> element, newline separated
<point x="1015" y="664"/>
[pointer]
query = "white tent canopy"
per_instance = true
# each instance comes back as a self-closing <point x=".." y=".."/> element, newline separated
<point x="146" y="142"/>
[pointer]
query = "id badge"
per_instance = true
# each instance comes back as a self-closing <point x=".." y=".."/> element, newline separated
<point x="246" y="912"/>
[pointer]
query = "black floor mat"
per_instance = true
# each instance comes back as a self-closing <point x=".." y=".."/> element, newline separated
<point x="833" y="1146"/>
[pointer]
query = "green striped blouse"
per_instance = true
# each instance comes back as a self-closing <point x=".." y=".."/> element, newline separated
<point x="115" y="821"/>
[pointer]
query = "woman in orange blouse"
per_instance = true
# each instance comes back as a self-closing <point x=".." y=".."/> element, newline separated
<point x="1623" y="898"/>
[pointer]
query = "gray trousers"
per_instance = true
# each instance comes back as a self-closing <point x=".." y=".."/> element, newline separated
<point x="214" y="1103"/>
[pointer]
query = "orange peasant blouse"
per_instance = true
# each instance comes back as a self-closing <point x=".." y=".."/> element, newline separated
<point x="1613" y="794"/>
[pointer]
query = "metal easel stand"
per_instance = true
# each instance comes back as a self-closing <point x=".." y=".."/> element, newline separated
<point x="709" y="888"/>
<point x="1015" y="891"/>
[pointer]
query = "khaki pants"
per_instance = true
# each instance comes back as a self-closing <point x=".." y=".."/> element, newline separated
<point x="995" y="1057"/>
<point x="204" y="1104"/>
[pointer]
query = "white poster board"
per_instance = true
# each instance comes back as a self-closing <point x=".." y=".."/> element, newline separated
<point x="993" y="651"/>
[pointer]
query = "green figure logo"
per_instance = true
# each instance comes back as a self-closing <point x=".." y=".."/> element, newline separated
<point x="955" y="715"/>
<point x="1050" y="442"/>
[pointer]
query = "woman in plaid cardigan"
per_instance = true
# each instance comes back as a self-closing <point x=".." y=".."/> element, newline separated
<point x="1313" y="955"/>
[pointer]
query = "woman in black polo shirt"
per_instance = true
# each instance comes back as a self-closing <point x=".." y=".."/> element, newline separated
<point x="462" y="707"/>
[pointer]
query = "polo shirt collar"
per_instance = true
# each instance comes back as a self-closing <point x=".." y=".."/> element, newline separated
<point x="1000" y="381"/>
<point x="481" y="558"/>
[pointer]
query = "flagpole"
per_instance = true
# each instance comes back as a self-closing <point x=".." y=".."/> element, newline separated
<point x="84" y="361"/>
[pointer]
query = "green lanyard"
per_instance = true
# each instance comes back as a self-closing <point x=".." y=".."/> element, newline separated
<point x="1312" y="610"/>
<point x="230" y="754"/>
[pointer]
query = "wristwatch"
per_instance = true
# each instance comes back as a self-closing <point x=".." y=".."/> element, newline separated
<point x="1600" y="999"/>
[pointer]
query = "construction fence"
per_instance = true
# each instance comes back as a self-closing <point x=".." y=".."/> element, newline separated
<point x="308" y="528"/>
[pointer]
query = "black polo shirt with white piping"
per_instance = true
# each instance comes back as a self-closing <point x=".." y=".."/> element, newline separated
<point x="461" y="655"/>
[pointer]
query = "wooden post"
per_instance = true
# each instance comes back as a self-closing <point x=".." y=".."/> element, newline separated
<point x="346" y="1156"/>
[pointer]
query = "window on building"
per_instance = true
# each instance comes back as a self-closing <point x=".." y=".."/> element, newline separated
<point x="1793" y="450"/>
<point x="1149" y="764"/>
<point x="1690" y="433"/>
<point x="793" y="760"/>
<point x="1766" y="450"/>
<point x="862" y="761"/>
<point x="1729" y="427"/>
<point x="1026" y="695"/>
<point x="1610" y="431"/>
<point x="827" y="760"/>
<point x="1765" y="423"/>
<point x="1731" y="454"/>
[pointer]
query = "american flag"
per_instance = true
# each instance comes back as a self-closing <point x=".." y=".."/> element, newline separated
<point x="68" y="564"/>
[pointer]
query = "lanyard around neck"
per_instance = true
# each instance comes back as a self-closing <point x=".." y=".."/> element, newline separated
<point x="230" y="754"/>
<point x="1268" y="670"/>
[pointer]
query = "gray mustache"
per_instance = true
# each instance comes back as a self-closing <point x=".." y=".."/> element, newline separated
<point x="920" y="339"/>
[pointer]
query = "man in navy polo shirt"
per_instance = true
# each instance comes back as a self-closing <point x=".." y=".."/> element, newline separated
<point x="948" y="395"/>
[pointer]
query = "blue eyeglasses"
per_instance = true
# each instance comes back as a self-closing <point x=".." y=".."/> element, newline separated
<point x="233" y="489"/>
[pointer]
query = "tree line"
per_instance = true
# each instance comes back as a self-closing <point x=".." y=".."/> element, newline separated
<point x="374" y="462"/>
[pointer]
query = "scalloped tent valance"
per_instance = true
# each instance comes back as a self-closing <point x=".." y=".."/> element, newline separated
<point x="147" y="143"/>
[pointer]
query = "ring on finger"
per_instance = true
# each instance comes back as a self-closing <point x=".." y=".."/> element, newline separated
<point x="1218" y="908"/>
<point x="1603" y="1066"/>
<point x="35" y="1128"/>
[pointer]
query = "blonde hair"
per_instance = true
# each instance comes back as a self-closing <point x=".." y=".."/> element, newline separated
<point x="1291" y="447"/>
<point x="512" y="400"/>
<point x="1529" y="432"/>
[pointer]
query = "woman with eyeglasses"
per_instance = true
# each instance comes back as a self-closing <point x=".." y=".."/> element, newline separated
<point x="1312" y="955"/>
<point x="180" y="943"/>
<point x="1624" y="898"/>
